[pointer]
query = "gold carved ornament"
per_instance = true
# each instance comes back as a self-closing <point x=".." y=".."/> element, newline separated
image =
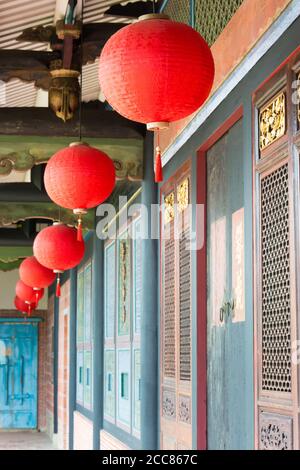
<point x="183" y="195"/>
<point x="169" y="211"/>
<point x="272" y="121"/>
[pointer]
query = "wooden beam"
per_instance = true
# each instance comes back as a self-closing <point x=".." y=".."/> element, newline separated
<point x="30" y="66"/>
<point x="96" y="122"/>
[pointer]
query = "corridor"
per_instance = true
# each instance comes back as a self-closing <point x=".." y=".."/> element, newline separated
<point x="25" y="440"/>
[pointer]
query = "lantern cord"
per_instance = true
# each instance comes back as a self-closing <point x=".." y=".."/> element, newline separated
<point x="153" y="6"/>
<point x="58" y="285"/>
<point x="81" y="68"/>
<point x="158" y="164"/>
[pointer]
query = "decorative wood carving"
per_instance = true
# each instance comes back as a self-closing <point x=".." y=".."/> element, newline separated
<point x="276" y="432"/>
<point x="183" y="195"/>
<point x="184" y="409"/>
<point x="22" y="155"/>
<point x="169" y="404"/>
<point x="169" y="212"/>
<point x="64" y="93"/>
<point x="272" y="121"/>
<point x="276" y="307"/>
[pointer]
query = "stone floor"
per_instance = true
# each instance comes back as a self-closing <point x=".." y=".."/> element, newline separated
<point x="25" y="440"/>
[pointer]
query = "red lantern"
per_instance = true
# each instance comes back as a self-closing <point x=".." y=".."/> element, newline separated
<point x="79" y="177"/>
<point x="156" y="71"/>
<point x="24" y="307"/>
<point x="57" y="248"/>
<point x="34" y="274"/>
<point x="26" y="294"/>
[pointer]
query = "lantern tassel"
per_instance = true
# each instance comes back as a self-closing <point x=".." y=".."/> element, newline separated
<point x="37" y="297"/>
<point x="158" y="166"/>
<point x="79" y="230"/>
<point x="58" y="286"/>
<point x="29" y="310"/>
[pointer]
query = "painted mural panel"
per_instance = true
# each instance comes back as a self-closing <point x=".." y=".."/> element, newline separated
<point x="137" y="277"/>
<point x="110" y="289"/>
<point x="80" y="307"/>
<point x="124" y="286"/>
<point x="109" y="383"/>
<point x="88" y="303"/>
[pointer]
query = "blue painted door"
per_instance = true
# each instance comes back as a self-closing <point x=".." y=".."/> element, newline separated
<point x="18" y="375"/>
<point x="226" y="341"/>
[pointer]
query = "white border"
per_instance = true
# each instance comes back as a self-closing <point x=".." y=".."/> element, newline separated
<point x="281" y="24"/>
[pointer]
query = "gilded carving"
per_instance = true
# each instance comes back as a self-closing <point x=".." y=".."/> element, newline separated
<point x="183" y="195"/>
<point x="169" y="211"/>
<point x="272" y="121"/>
<point x="64" y="93"/>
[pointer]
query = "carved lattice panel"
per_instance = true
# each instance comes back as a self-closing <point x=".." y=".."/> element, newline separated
<point x="275" y="259"/>
<point x="185" y="305"/>
<point x="169" y="308"/>
<point x="275" y="432"/>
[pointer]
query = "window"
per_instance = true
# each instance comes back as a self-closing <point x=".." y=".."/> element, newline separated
<point x="123" y="290"/>
<point x="84" y="337"/>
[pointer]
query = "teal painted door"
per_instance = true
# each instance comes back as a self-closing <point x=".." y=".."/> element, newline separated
<point x="18" y="376"/>
<point x="226" y="392"/>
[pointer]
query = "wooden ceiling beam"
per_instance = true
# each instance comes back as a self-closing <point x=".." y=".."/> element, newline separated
<point x="96" y="122"/>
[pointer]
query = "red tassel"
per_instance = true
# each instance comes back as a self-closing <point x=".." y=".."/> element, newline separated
<point x="36" y="297"/>
<point x="79" y="231"/>
<point x="29" y="310"/>
<point x="158" y="167"/>
<point x="58" y="286"/>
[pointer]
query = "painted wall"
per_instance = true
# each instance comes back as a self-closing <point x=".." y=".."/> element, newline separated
<point x="8" y="282"/>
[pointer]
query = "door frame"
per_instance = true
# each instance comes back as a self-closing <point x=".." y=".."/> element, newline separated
<point x="202" y="277"/>
<point x="26" y="321"/>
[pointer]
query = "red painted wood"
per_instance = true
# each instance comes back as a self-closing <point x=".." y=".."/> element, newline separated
<point x="202" y="281"/>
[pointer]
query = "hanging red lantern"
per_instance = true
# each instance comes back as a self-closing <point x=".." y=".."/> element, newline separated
<point x="26" y="293"/>
<point x="156" y="71"/>
<point x="57" y="248"/>
<point x="36" y="275"/>
<point x="24" y="307"/>
<point x="79" y="177"/>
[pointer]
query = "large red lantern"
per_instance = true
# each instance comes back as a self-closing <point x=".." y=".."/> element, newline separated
<point x="35" y="275"/>
<point x="57" y="248"/>
<point x="24" y="307"/>
<point x="156" y="71"/>
<point x="79" y="177"/>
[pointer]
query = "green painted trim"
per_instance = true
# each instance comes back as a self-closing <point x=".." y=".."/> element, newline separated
<point x="14" y="253"/>
<point x="10" y="266"/>
<point x="21" y="320"/>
